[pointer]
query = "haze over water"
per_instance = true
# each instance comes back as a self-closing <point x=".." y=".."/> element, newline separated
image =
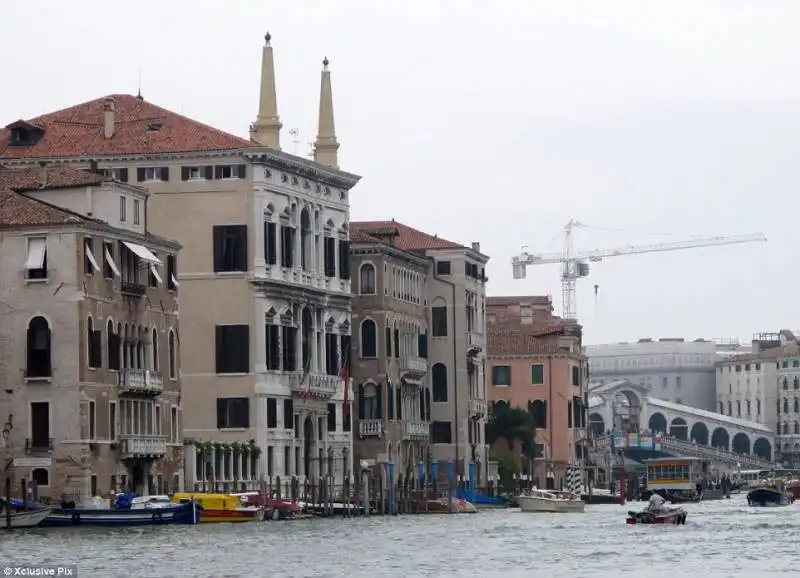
<point x="720" y="539"/>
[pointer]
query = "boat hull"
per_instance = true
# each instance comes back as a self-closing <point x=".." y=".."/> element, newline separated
<point x="768" y="498"/>
<point x="532" y="504"/>
<point x="231" y="516"/>
<point x="675" y="518"/>
<point x="793" y="488"/>
<point x="179" y="514"/>
<point x="25" y="518"/>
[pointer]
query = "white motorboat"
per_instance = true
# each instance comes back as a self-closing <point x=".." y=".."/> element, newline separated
<point x="550" y="501"/>
<point x="25" y="518"/>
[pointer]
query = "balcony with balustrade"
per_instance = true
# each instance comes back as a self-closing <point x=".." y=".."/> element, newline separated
<point x="140" y="381"/>
<point x="370" y="428"/>
<point x="319" y="385"/>
<point x="416" y="429"/>
<point x="141" y="446"/>
<point x="413" y="367"/>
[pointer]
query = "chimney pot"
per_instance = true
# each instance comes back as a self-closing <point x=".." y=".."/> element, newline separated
<point x="109" y="117"/>
<point x="476" y="247"/>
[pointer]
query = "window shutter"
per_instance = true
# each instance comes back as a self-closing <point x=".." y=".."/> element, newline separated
<point x="97" y="348"/>
<point x="241" y="244"/>
<point x="242" y="171"/>
<point x="397" y="343"/>
<point x="388" y="342"/>
<point x="31" y="343"/>
<point x="48" y="362"/>
<point x="220" y="349"/>
<point x="123" y="175"/>
<point x="361" y="401"/>
<point x="140" y="174"/>
<point x="422" y="340"/>
<point x="184" y="173"/>
<point x="218" y="232"/>
<point x="209" y="171"/>
<point x="164" y="173"/>
<point x="390" y="401"/>
<point x="379" y="397"/>
<point x="239" y="337"/>
<point x="221" y="407"/>
<point x="218" y="172"/>
<point x="399" y="395"/>
<point x="344" y="259"/>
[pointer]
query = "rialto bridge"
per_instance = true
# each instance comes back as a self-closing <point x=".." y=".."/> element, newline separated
<point x="628" y="406"/>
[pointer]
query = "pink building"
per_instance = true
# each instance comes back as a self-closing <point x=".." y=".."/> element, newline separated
<point x="535" y="362"/>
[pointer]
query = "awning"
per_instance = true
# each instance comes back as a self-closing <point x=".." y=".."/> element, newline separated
<point x="142" y="252"/>
<point x="154" y="271"/>
<point x="90" y="256"/>
<point x="175" y="281"/>
<point x="110" y="262"/>
<point x="36" y="252"/>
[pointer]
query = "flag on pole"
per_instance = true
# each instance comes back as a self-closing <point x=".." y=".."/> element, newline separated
<point x="304" y="379"/>
<point x="344" y="373"/>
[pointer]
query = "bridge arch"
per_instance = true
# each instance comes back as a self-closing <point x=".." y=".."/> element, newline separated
<point x="721" y="439"/>
<point x="679" y="429"/>
<point x="597" y="424"/>
<point x="740" y="443"/>
<point x="657" y="423"/>
<point x="763" y="449"/>
<point x="699" y="433"/>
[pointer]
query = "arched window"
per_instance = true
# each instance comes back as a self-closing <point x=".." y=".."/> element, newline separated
<point x="796" y="382"/>
<point x="154" y="346"/>
<point x="785" y="428"/>
<point x="439" y="382"/>
<point x="796" y="405"/>
<point x="785" y="405"/>
<point x="41" y="477"/>
<point x="399" y="402"/>
<point x="730" y="410"/>
<point x="39" y="362"/>
<point x="427" y="416"/>
<point x="390" y="400"/>
<point x="748" y="407"/>
<point x="758" y="406"/>
<point x="738" y="408"/>
<point x="173" y="367"/>
<point x="785" y="383"/>
<point x="111" y="345"/>
<point x="721" y="408"/>
<point x="369" y="406"/>
<point x="366" y="279"/>
<point x="538" y="410"/>
<point x="369" y="338"/>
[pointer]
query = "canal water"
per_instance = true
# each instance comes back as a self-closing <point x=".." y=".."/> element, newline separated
<point x="720" y="539"/>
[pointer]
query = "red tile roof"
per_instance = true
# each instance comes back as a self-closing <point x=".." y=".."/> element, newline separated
<point x="19" y="211"/>
<point x="503" y="301"/>
<point x="404" y="237"/>
<point x="516" y="342"/>
<point x="57" y="177"/>
<point x="78" y="131"/>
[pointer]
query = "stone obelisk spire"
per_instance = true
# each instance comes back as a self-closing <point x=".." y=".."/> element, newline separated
<point x="326" y="146"/>
<point x="266" y="130"/>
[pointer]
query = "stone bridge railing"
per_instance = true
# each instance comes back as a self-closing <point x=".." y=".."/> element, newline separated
<point x="692" y="449"/>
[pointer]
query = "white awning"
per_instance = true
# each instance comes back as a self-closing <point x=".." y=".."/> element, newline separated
<point x="90" y="256"/>
<point x="175" y="281"/>
<point x="142" y="252"/>
<point x="154" y="271"/>
<point x="111" y="263"/>
<point x="36" y="252"/>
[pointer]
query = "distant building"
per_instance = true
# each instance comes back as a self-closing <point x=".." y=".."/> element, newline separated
<point x="91" y="379"/>
<point x="673" y="369"/>
<point x="535" y="363"/>
<point x="425" y="297"/>
<point x="764" y="386"/>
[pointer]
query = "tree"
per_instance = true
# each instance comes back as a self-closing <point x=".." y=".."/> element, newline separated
<point x="512" y="424"/>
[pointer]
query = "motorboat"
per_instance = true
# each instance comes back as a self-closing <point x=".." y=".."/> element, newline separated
<point x="550" y="501"/>
<point x="21" y="517"/>
<point x="124" y="512"/>
<point x="674" y="516"/>
<point x="793" y="488"/>
<point x="770" y="496"/>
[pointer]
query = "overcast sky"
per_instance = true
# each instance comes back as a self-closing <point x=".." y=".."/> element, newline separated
<point x="496" y="122"/>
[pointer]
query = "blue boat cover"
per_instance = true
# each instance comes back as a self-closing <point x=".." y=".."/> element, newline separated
<point x="125" y="501"/>
<point x="18" y="504"/>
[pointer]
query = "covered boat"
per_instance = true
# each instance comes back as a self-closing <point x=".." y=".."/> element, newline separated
<point x="657" y="513"/>
<point x="124" y="514"/>
<point x="770" y="496"/>
<point x="217" y="508"/>
<point x="17" y="515"/>
<point x="549" y="501"/>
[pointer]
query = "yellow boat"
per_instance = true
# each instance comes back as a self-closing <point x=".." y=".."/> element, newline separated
<point x="219" y="508"/>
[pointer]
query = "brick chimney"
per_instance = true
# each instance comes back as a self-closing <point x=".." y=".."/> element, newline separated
<point x="109" y="117"/>
<point x="42" y="175"/>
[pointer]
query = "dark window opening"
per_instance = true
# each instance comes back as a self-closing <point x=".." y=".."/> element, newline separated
<point x="439" y="321"/>
<point x="232" y="349"/>
<point x="233" y="412"/>
<point x="230" y="248"/>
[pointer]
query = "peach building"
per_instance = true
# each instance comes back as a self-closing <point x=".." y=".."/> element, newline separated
<point x="534" y="362"/>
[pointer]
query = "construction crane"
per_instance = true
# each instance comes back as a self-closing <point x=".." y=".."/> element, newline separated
<point x="576" y="265"/>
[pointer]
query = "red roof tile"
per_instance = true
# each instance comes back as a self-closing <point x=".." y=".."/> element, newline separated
<point x="78" y="131"/>
<point x="404" y="237"/>
<point x="516" y="342"/>
<point x="19" y="211"/>
<point x="57" y="177"/>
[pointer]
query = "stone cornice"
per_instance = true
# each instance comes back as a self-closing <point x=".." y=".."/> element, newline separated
<point x="272" y="289"/>
<point x="534" y="357"/>
<point x="98" y="227"/>
<point x="302" y="167"/>
<point x="123" y="158"/>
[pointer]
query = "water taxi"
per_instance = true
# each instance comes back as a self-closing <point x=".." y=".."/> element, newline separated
<point x="676" y="478"/>
<point x="219" y="508"/>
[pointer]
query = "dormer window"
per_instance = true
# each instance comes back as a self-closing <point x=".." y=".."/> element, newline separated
<point x="24" y="133"/>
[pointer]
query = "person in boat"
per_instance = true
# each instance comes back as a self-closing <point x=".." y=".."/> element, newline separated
<point x="656" y="504"/>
